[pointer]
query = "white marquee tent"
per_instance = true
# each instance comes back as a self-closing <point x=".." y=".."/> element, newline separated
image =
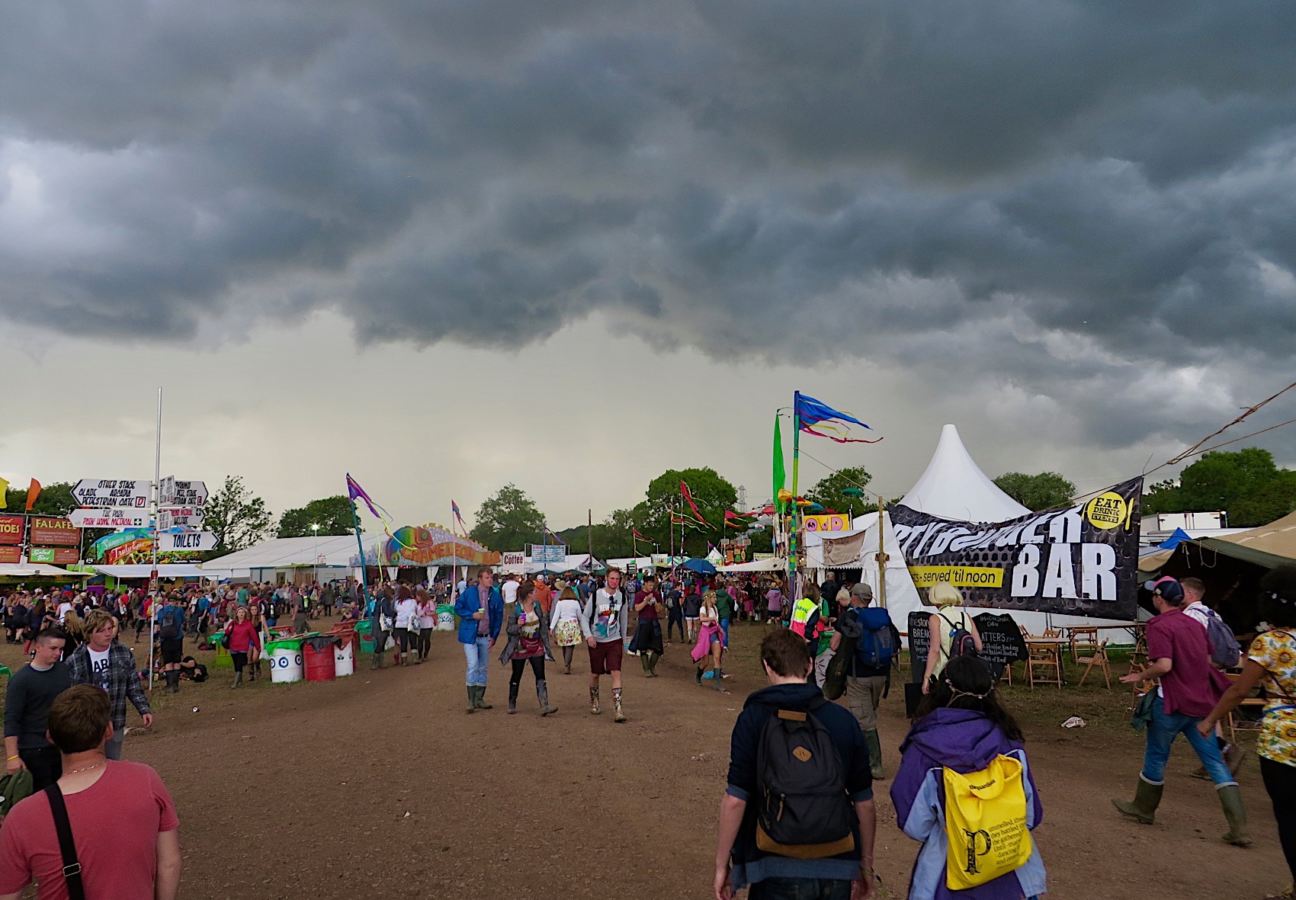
<point x="952" y="487"/>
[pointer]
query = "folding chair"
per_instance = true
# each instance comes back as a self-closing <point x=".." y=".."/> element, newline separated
<point x="1043" y="657"/>
<point x="1088" y="651"/>
<point x="1250" y="703"/>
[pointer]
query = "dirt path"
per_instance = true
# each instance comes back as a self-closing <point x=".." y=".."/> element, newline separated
<point x="379" y="785"/>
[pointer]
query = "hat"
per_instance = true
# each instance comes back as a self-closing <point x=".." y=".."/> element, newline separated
<point x="862" y="590"/>
<point x="1169" y="589"/>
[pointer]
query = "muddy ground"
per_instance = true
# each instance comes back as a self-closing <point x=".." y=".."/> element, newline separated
<point x="380" y="785"/>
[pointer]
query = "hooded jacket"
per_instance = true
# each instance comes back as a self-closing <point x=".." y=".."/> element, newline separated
<point x="965" y="741"/>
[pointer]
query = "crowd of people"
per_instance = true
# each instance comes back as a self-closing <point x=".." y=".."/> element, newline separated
<point x="797" y="819"/>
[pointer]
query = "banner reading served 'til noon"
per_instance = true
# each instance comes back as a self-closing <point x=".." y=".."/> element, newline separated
<point x="1078" y="560"/>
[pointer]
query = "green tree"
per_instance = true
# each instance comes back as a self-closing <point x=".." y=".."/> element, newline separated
<point x="332" y="515"/>
<point x="509" y="520"/>
<point x="1246" y="484"/>
<point x="236" y="516"/>
<point x="842" y="491"/>
<point x="55" y="499"/>
<point x="1047" y="490"/>
<point x="712" y="492"/>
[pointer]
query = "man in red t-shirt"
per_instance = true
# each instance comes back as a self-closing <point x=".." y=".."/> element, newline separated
<point x="1190" y="686"/>
<point x="123" y="822"/>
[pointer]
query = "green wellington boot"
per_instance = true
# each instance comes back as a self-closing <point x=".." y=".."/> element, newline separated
<point x="472" y="698"/>
<point x="1146" y="800"/>
<point x="875" y="754"/>
<point x="1231" y="800"/>
<point x="481" y="698"/>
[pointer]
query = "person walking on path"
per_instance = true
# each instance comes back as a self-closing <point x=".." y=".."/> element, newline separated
<point x="382" y="615"/>
<point x="962" y="727"/>
<point x="1189" y="690"/>
<point x="674" y="611"/>
<point x="709" y="649"/>
<point x="528" y="641"/>
<point x="945" y="623"/>
<point x="565" y="625"/>
<point x="868" y="674"/>
<point x="28" y="697"/>
<point x="819" y="842"/>
<point x="171" y="625"/>
<point x="692" y="605"/>
<point x="122" y="819"/>
<point x="407" y="627"/>
<point x="603" y="622"/>
<point x="241" y="638"/>
<point x="1271" y="662"/>
<point x="480" y="609"/>
<point x="108" y="664"/>
<point x="427" y="622"/>
<point x="648" y="634"/>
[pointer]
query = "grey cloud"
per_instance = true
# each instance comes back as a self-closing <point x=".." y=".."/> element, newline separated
<point x="842" y="179"/>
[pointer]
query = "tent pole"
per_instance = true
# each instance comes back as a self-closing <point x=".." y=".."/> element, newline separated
<point x="796" y="471"/>
<point x="881" y="554"/>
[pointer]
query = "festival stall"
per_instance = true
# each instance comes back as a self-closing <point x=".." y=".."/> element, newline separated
<point x="38" y="573"/>
<point x="290" y="560"/>
<point x="520" y="564"/>
<point x="772" y="564"/>
<point x="417" y="551"/>
<point x="1090" y="574"/>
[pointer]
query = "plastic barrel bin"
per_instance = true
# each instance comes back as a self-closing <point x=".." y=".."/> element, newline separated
<point x="344" y="656"/>
<point x="366" y="646"/>
<point x="285" y="660"/>
<point x="445" y="617"/>
<point x="364" y="627"/>
<point x="317" y="658"/>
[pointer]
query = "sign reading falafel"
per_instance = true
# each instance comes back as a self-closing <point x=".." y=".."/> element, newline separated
<point x="1079" y="560"/>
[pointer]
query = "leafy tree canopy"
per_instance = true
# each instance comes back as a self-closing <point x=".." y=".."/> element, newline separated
<point x="840" y="491"/>
<point x="1047" y="490"/>
<point x="509" y="520"/>
<point x="236" y="516"/>
<point x="1247" y="484"/>
<point x="332" y="514"/>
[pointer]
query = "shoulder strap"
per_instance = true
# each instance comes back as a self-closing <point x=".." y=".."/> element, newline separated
<point x="67" y="847"/>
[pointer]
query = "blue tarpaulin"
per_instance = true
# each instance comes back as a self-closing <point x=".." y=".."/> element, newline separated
<point x="1175" y="539"/>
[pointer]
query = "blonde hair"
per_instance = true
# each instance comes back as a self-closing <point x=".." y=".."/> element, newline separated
<point x="98" y="618"/>
<point x="943" y="594"/>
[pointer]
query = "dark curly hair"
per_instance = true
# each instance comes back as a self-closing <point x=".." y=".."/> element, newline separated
<point x="1278" y="597"/>
<point x="968" y="683"/>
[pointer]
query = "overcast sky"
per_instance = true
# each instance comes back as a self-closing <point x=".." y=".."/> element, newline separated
<point x="571" y="244"/>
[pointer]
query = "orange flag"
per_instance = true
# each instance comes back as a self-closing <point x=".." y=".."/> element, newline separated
<point x="33" y="492"/>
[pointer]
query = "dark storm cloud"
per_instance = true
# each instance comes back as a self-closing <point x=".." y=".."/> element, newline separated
<point x="1001" y="177"/>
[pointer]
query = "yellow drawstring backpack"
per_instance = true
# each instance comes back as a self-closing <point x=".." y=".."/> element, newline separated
<point x="985" y="823"/>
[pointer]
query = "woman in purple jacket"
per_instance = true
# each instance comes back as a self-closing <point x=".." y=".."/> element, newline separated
<point x="962" y="726"/>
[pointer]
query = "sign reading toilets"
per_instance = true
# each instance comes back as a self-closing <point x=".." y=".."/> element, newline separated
<point x="1078" y="560"/>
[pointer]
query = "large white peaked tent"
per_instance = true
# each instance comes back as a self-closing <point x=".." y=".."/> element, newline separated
<point x="952" y="487"/>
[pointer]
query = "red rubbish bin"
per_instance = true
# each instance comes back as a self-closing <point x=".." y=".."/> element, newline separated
<point x="317" y="658"/>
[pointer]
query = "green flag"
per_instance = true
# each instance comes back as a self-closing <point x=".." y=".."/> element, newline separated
<point x="780" y="474"/>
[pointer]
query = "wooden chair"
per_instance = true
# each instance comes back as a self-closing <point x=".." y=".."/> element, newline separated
<point x="1044" y="657"/>
<point x="1140" y="655"/>
<point x="1088" y="651"/>
<point x="1249" y="702"/>
<point x="1052" y="632"/>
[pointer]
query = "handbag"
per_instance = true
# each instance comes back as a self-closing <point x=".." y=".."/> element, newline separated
<point x="67" y="847"/>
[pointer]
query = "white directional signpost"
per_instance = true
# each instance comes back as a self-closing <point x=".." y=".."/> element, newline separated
<point x="109" y="518"/>
<point x="110" y="493"/>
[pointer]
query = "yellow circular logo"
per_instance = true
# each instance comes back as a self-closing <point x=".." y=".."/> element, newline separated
<point x="802" y="754"/>
<point x="1107" y="511"/>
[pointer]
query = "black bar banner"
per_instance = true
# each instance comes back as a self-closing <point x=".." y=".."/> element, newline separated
<point x="1079" y="560"/>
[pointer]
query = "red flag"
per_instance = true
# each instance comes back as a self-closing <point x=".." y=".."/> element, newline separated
<point x="635" y="532"/>
<point x="688" y="498"/>
<point x="33" y="492"/>
<point x="731" y="516"/>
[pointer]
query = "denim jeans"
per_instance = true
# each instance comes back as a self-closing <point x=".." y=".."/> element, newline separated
<point x="477" y="655"/>
<point x="800" y="889"/>
<point x="1162" y="731"/>
<point x="113" y="749"/>
<point x="724" y="626"/>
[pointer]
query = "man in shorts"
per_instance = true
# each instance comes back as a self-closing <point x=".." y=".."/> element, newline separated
<point x="170" y="624"/>
<point x="604" y="619"/>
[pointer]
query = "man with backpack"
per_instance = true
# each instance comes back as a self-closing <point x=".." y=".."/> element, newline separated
<point x="867" y="630"/>
<point x="797" y="818"/>
<point x="171" y="620"/>
<point x="1225" y="652"/>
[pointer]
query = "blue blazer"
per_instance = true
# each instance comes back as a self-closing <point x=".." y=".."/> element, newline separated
<point x="468" y="603"/>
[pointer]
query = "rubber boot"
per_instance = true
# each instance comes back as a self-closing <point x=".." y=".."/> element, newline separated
<point x="481" y="698"/>
<point x="542" y="694"/>
<point x="619" y="715"/>
<point x="653" y="657"/>
<point x="238" y="680"/>
<point x="875" y="754"/>
<point x="472" y="698"/>
<point x="1231" y="800"/>
<point x="644" y="663"/>
<point x="594" y="701"/>
<point x="1146" y="800"/>
<point x="513" y="692"/>
<point x="699" y="676"/>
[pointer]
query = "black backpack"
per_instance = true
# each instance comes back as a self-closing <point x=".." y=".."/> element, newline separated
<point x="802" y="807"/>
<point x="170" y="629"/>
<point x="961" y="641"/>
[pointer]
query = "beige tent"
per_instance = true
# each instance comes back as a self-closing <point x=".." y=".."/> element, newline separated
<point x="1269" y="545"/>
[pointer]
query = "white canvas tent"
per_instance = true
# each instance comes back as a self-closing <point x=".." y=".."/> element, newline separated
<point x="573" y="562"/>
<point x="773" y="564"/>
<point x="953" y="487"/>
<point x="331" y="555"/>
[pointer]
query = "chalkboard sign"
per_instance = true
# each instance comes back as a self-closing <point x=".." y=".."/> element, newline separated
<point x="1001" y="641"/>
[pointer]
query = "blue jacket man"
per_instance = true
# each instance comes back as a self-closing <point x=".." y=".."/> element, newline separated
<point x="480" y="609"/>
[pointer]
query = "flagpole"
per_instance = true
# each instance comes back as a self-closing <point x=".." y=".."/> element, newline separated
<point x="589" y="536"/>
<point x="364" y="568"/>
<point x="454" y="556"/>
<point x="796" y="471"/>
<point x="154" y="581"/>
